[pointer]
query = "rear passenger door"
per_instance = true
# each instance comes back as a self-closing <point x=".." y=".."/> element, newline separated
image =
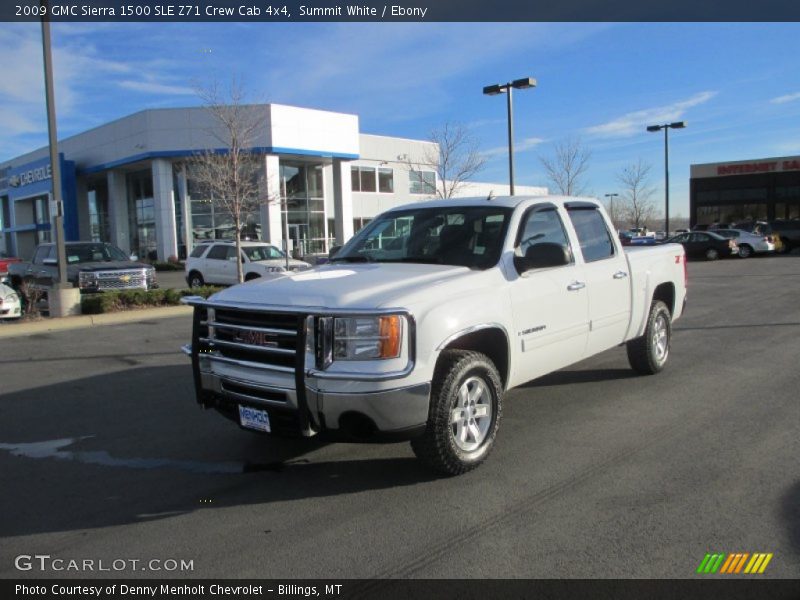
<point x="607" y="277"/>
<point x="217" y="265"/>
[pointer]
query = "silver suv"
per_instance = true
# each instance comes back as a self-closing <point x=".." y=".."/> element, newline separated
<point x="215" y="263"/>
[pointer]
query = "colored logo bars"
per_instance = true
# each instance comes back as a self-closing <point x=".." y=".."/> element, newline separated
<point x="735" y="563"/>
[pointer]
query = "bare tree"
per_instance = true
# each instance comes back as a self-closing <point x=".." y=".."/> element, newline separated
<point x="638" y="206"/>
<point x="455" y="160"/>
<point x="566" y="168"/>
<point x="229" y="174"/>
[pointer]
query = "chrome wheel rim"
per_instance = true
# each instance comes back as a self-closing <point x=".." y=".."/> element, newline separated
<point x="471" y="415"/>
<point x="660" y="338"/>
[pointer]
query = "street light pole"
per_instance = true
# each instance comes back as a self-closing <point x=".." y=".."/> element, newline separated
<point x="510" y="105"/>
<point x="55" y="166"/>
<point x="666" y="127"/>
<point x="611" y="207"/>
<point x="493" y="90"/>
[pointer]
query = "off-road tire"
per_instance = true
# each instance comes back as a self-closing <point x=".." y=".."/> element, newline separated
<point x="438" y="447"/>
<point x="649" y="354"/>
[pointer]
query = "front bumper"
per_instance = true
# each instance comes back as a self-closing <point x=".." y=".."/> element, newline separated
<point x="271" y="365"/>
<point x="387" y="415"/>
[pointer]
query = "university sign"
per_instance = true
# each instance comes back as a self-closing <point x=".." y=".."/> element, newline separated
<point x="767" y="166"/>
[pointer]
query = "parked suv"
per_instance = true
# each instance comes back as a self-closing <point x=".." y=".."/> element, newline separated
<point x="215" y="263"/>
<point x="789" y="232"/>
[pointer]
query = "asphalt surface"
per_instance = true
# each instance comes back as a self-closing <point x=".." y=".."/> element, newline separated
<point x="596" y="473"/>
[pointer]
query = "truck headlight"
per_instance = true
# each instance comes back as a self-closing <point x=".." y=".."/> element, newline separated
<point x="366" y="338"/>
<point x="87" y="279"/>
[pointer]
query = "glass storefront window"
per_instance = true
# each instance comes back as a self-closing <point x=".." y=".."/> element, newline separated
<point x="303" y="206"/>
<point x="141" y="213"/>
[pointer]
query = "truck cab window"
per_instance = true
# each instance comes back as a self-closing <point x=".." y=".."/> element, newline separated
<point x="42" y="252"/>
<point x="593" y="235"/>
<point x="539" y="227"/>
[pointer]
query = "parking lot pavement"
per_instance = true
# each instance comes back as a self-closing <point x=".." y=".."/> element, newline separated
<point x="175" y="280"/>
<point x="597" y="472"/>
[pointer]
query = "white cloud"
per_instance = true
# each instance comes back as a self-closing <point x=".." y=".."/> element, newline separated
<point x="519" y="146"/>
<point x="635" y="122"/>
<point x="152" y="87"/>
<point x="786" y="98"/>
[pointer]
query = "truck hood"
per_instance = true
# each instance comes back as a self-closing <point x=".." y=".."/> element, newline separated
<point x="348" y="286"/>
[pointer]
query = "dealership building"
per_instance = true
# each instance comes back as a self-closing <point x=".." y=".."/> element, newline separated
<point x="746" y="190"/>
<point x="129" y="182"/>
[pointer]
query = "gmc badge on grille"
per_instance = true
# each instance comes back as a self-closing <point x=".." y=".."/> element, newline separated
<point x="256" y="338"/>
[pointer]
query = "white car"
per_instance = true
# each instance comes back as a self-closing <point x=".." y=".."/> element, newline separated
<point x="10" y="306"/>
<point x="749" y="243"/>
<point x="215" y="263"/>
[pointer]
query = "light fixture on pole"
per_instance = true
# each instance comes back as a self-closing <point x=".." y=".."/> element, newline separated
<point x="611" y="207"/>
<point x="494" y="90"/>
<point x="666" y="127"/>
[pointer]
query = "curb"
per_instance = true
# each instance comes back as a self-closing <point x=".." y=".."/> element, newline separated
<point x="11" y="330"/>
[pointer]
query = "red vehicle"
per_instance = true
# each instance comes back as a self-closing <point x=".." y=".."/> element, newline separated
<point x="4" y="262"/>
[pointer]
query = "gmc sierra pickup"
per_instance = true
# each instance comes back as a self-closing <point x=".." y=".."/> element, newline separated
<point x="419" y="324"/>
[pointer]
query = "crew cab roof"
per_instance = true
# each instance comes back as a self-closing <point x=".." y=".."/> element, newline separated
<point x="505" y="201"/>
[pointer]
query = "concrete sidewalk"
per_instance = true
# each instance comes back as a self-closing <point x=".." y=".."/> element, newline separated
<point x="25" y="328"/>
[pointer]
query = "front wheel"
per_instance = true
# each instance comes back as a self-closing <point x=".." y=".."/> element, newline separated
<point x="195" y="280"/>
<point x="745" y="251"/>
<point x="648" y="354"/>
<point x="466" y="406"/>
<point x="712" y="254"/>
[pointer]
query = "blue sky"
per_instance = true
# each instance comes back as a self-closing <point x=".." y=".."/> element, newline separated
<point x="737" y="85"/>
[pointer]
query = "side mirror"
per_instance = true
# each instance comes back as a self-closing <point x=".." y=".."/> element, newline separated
<point x="50" y="262"/>
<point x="542" y="256"/>
<point x="332" y="252"/>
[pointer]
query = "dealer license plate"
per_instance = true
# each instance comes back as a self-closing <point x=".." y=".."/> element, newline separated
<point x="252" y="418"/>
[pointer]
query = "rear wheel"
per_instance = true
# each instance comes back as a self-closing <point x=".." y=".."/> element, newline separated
<point x="466" y="405"/>
<point x="712" y="254"/>
<point x="745" y="251"/>
<point x="251" y="276"/>
<point x="648" y="354"/>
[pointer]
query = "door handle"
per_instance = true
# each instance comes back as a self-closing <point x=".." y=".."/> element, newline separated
<point x="620" y="275"/>
<point x="576" y="285"/>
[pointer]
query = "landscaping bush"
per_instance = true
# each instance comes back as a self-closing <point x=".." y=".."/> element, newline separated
<point x="95" y="304"/>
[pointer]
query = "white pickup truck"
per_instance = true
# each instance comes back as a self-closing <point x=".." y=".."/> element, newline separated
<point x="419" y="324"/>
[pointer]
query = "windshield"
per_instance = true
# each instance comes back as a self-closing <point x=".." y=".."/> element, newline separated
<point x="265" y="252"/>
<point x="81" y="253"/>
<point x="467" y="236"/>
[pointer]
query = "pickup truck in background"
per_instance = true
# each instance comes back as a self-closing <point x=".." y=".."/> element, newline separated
<point x="91" y="266"/>
<point x="419" y="324"/>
